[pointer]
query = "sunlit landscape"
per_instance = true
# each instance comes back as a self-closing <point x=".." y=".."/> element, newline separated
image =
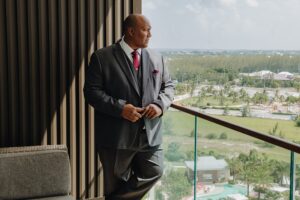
<point x="238" y="61"/>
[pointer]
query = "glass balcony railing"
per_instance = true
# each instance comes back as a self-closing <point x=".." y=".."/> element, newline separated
<point x="209" y="158"/>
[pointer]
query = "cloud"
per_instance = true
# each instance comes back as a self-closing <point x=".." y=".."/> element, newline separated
<point x="252" y="3"/>
<point x="225" y="24"/>
<point x="149" y="5"/>
<point x="228" y="3"/>
<point x="194" y="8"/>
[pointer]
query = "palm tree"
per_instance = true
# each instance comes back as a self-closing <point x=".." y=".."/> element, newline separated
<point x="247" y="173"/>
<point x="243" y="94"/>
<point x="222" y="97"/>
<point x="276" y="96"/>
<point x="262" y="176"/>
<point x="235" y="166"/>
<point x="280" y="170"/>
<point x="255" y="170"/>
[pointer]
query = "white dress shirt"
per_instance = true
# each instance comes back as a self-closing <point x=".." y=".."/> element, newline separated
<point x="128" y="50"/>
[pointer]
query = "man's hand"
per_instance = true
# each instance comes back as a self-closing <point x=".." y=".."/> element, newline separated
<point x="131" y="112"/>
<point x="152" y="111"/>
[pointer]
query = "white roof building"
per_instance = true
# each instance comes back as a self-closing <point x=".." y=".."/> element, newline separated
<point x="266" y="74"/>
<point x="205" y="163"/>
<point x="209" y="170"/>
<point x="286" y="74"/>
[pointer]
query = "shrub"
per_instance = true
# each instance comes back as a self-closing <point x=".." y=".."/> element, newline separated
<point x="297" y="121"/>
<point x="176" y="185"/>
<point x="223" y="136"/>
<point x="211" y="136"/>
<point x="173" y="154"/>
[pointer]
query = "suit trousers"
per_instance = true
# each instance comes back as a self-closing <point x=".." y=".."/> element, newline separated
<point x="130" y="173"/>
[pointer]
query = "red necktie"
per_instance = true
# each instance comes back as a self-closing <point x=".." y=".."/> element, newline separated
<point x="135" y="58"/>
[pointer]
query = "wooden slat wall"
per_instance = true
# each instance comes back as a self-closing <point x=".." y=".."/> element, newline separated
<point x="45" y="50"/>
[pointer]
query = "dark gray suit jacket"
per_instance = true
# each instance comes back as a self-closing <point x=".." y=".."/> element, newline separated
<point x="110" y="84"/>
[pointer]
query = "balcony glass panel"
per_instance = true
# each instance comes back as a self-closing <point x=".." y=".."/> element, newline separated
<point x="230" y="165"/>
<point x="235" y="166"/>
<point x="178" y="145"/>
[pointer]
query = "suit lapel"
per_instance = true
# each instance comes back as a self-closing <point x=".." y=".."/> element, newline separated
<point x="147" y="69"/>
<point x="118" y="53"/>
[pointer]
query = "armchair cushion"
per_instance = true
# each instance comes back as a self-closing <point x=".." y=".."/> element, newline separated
<point x="35" y="172"/>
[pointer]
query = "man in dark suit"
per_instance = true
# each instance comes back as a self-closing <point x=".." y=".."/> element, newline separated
<point x="130" y="89"/>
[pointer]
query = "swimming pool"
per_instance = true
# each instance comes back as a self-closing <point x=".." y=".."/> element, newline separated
<point x="227" y="189"/>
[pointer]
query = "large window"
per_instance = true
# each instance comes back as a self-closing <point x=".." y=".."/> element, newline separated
<point x="238" y="60"/>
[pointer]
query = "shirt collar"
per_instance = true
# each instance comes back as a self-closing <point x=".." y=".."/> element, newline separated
<point x="127" y="49"/>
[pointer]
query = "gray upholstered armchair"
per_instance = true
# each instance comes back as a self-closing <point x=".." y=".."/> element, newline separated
<point x="36" y="172"/>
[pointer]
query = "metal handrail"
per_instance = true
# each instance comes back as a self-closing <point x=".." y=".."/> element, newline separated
<point x="267" y="138"/>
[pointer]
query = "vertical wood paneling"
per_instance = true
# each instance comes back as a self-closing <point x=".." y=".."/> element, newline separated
<point x="72" y="13"/>
<point x="33" y="71"/>
<point x="136" y="6"/>
<point x="72" y="92"/>
<point x="53" y="26"/>
<point x="126" y="8"/>
<point x="12" y="55"/>
<point x="91" y="130"/>
<point x="23" y="71"/>
<point x="100" y="23"/>
<point x="62" y="13"/>
<point x="81" y="102"/>
<point x="3" y="77"/>
<point x="43" y="67"/>
<point x="118" y="20"/>
<point x="109" y="23"/>
<point x="45" y="49"/>
<point x="100" y="19"/>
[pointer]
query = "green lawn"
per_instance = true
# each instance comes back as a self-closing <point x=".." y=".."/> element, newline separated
<point x="211" y="101"/>
<point x="182" y="125"/>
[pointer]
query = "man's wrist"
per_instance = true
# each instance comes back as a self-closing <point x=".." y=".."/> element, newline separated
<point x="159" y="106"/>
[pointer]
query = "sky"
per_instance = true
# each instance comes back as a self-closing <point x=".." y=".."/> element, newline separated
<point x="224" y="24"/>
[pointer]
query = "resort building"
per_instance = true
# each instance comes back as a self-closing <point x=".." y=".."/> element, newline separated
<point x="209" y="169"/>
<point x="265" y="74"/>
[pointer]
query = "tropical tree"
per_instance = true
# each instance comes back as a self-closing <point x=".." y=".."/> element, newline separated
<point x="247" y="173"/>
<point x="280" y="169"/>
<point x="255" y="171"/>
<point x="297" y="121"/>
<point x="176" y="185"/>
<point x="243" y="95"/>
<point x="273" y="195"/>
<point x="274" y="130"/>
<point x="221" y="97"/>
<point x="245" y="110"/>
<point x="234" y="95"/>
<point x="236" y="166"/>
<point x="262" y="177"/>
<point x="281" y="98"/>
<point x="296" y="85"/>
<point x="276" y="95"/>
<point x="210" y="89"/>
<point x="260" y="98"/>
<point x="193" y="85"/>
<point x="226" y="110"/>
<point x="181" y="88"/>
<point x="173" y="153"/>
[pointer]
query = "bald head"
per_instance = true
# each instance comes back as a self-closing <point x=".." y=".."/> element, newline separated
<point x="136" y="31"/>
<point x="131" y="21"/>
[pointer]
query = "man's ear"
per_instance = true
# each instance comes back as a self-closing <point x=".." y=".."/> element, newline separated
<point x="131" y="31"/>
